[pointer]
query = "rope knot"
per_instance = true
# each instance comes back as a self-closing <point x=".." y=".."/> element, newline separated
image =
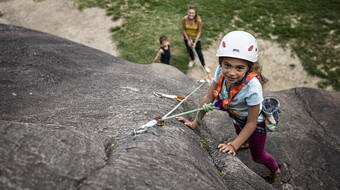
<point x="208" y="107"/>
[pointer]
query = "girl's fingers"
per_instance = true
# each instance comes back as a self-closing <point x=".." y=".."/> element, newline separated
<point x="222" y="147"/>
<point x="226" y="149"/>
<point x="188" y="123"/>
<point x="231" y="152"/>
<point x="185" y="121"/>
<point x="181" y="119"/>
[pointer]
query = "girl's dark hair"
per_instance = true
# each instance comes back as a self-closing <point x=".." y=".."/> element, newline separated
<point x="257" y="68"/>
<point x="196" y="12"/>
<point x="162" y="38"/>
<point x="253" y="67"/>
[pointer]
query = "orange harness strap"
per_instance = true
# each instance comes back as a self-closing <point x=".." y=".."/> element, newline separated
<point x="219" y="87"/>
<point x="233" y="93"/>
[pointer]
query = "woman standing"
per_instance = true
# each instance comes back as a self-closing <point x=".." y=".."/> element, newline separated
<point x="192" y="29"/>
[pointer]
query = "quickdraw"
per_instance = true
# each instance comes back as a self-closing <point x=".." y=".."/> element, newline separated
<point x="160" y="123"/>
<point x="178" y="98"/>
<point x="155" y="121"/>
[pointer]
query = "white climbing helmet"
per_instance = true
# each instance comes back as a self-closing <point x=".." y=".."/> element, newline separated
<point x="238" y="44"/>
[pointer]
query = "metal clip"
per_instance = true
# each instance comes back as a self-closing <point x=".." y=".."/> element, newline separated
<point x="144" y="127"/>
<point x="161" y="95"/>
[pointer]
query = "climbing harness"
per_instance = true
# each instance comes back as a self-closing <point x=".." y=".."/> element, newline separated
<point x="270" y="106"/>
<point x="153" y="122"/>
<point x="232" y="94"/>
<point x="178" y="98"/>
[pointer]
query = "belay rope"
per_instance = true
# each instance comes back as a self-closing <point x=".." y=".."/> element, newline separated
<point x="186" y="97"/>
<point x="205" y="107"/>
<point x="203" y="68"/>
<point x="145" y="127"/>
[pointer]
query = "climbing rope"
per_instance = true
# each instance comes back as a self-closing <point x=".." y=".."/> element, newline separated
<point x="204" y="69"/>
<point x="153" y="122"/>
<point x="205" y="107"/>
<point x="186" y="97"/>
<point x="144" y="128"/>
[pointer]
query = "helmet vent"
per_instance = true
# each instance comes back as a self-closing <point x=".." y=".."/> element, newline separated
<point x="250" y="48"/>
<point x="223" y="44"/>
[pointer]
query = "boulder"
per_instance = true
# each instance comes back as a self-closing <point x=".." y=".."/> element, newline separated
<point x="67" y="113"/>
<point x="306" y="143"/>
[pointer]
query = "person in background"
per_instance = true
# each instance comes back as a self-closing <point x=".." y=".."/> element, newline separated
<point x="164" y="52"/>
<point x="192" y="30"/>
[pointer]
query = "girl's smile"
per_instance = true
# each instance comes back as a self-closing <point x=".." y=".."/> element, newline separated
<point x="234" y="69"/>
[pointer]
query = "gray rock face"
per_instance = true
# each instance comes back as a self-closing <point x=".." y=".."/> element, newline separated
<point x="306" y="143"/>
<point x="67" y="112"/>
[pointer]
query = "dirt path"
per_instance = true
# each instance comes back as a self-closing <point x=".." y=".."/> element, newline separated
<point x="91" y="27"/>
<point x="276" y="63"/>
<point x="62" y="18"/>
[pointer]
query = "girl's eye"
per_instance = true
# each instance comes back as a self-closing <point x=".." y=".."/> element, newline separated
<point x="227" y="65"/>
<point x="240" y="68"/>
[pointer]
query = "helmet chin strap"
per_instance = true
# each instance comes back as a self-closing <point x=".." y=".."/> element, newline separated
<point x="245" y="75"/>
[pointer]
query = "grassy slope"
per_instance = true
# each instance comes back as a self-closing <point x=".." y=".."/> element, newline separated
<point x="310" y="27"/>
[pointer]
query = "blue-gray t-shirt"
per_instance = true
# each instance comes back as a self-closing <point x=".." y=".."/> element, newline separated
<point x="250" y="95"/>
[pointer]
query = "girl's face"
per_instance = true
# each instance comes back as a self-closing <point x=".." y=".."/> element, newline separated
<point x="191" y="13"/>
<point x="165" y="43"/>
<point x="234" y="69"/>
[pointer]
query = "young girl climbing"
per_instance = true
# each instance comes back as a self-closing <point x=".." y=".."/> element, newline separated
<point x="237" y="90"/>
<point x="192" y="30"/>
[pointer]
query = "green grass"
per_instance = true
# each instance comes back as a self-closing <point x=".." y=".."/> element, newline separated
<point x="204" y="142"/>
<point x="310" y="28"/>
<point x="222" y="174"/>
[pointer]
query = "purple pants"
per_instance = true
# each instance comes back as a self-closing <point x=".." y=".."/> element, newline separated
<point x="257" y="143"/>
